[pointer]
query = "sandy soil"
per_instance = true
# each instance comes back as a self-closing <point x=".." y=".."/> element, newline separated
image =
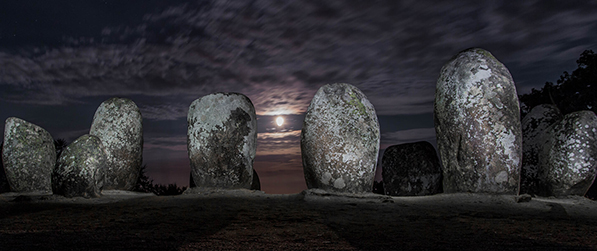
<point x="313" y="220"/>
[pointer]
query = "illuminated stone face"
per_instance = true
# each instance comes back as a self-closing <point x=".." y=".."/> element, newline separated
<point x="340" y="140"/>
<point x="567" y="160"/>
<point x="118" y="124"/>
<point x="221" y="138"/>
<point x="477" y="123"/>
<point x="28" y="155"/>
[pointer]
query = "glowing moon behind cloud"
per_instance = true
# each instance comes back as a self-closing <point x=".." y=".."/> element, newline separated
<point x="280" y="121"/>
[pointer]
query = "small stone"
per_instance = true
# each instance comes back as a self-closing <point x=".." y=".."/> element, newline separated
<point x="411" y="169"/>
<point x="81" y="168"/>
<point x="477" y="123"/>
<point x="534" y="131"/>
<point x="118" y="124"/>
<point x="28" y="156"/>
<point x="222" y="135"/>
<point x="567" y="160"/>
<point x="523" y="198"/>
<point x="340" y="140"/>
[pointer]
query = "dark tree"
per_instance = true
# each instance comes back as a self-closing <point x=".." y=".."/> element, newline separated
<point x="145" y="185"/>
<point x="572" y="92"/>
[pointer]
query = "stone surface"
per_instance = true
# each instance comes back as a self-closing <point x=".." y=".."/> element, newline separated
<point x="256" y="184"/>
<point x="4" y="187"/>
<point x="340" y="140"/>
<point x="568" y="157"/>
<point x="411" y="169"/>
<point x="477" y="123"/>
<point x="534" y="130"/>
<point x="81" y="168"/>
<point x="118" y="124"/>
<point x="221" y="137"/>
<point x="28" y="155"/>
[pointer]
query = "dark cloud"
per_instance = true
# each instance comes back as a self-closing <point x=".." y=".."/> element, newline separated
<point x="289" y="49"/>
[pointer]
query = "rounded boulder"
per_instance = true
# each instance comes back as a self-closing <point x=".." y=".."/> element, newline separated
<point x="477" y="123"/>
<point x="568" y="157"/>
<point x="81" y="168"/>
<point x="340" y="140"/>
<point x="221" y="140"/>
<point x="28" y="155"/>
<point x="118" y="124"/>
<point x="411" y="169"/>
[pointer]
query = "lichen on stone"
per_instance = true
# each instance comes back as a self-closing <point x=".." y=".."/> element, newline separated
<point x="340" y="140"/>
<point x="477" y="122"/>
<point x="28" y="156"/>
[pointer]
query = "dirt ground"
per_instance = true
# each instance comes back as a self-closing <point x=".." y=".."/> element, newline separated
<point x="312" y="220"/>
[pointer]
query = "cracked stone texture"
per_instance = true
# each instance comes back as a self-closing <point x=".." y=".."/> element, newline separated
<point x="568" y="157"/>
<point x="534" y="131"/>
<point x="411" y="169"/>
<point x="477" y="123"/>
<point x="340" y="140"/>
<point x="119" y="125"/>
<point x="221" y="140"/>
<point x="28" y="156"/>
<point x="81" y="168"/>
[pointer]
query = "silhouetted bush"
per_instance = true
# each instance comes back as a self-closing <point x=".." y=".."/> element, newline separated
<point x="145" y="185"/>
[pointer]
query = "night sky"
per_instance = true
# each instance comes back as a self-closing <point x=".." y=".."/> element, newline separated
<point x="60" y="59"/>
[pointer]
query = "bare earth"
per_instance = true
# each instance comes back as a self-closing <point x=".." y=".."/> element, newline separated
<point x="313" y="220"/>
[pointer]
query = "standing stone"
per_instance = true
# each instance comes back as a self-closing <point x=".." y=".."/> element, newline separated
<point x="568" y="158"/>
<point x="221" y="140"/>
<point x="29" y="156"/>
<point x="255" y="185"/>
<point x="80" y="169"/>
<point x="477" y="123"/>
<point x="118" y="124"/>
<point x="340" y="140"/>
<point x="534" y="131"/>
<point x="4" y="187"/>
<point x="411" y="169"/>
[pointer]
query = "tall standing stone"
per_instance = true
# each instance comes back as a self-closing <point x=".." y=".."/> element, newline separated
<point x="568" y="157"/>
<point x="118" y="124"/>
<point x="477" y="122"/>
<point x="411" y="169"/>
<point x="340" y="140"/>
<point x="221" y="140"/>
<point x="28" y="156"/>
<point x="81" y="168"/>
<point x="534" y="131"/>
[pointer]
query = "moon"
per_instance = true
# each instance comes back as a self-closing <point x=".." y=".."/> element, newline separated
<point x="279" y="121"/>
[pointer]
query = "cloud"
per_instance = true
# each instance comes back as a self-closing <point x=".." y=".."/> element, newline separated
<point x="279" y="143"/>
<point x="280" y="53"/>
<point x="176" y="143"/>
<point x="164" y="111"/>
